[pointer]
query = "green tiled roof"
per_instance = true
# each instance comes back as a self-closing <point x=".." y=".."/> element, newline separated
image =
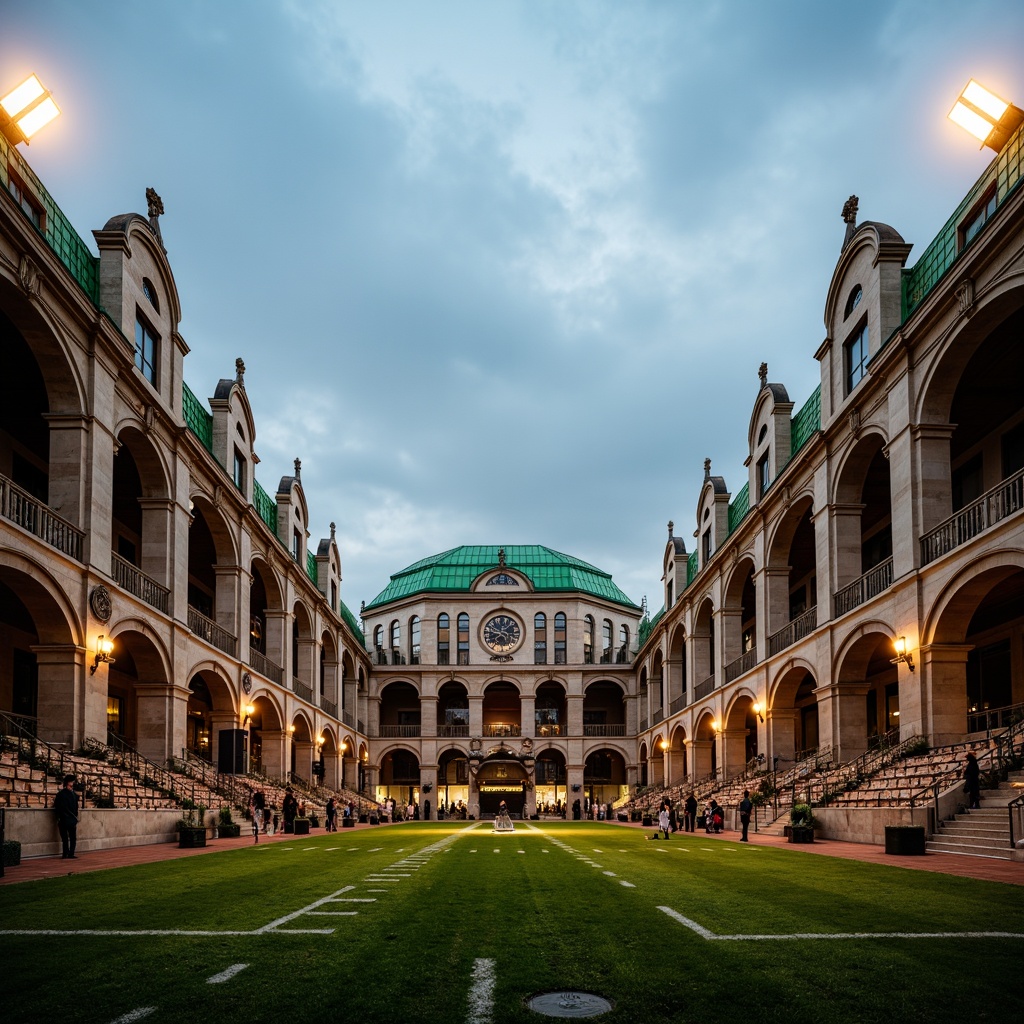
<point x="353" y="622"/>
<point x="454" y="572"/>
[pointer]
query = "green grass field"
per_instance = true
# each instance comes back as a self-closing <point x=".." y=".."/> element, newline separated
<point x="396" y="924"/>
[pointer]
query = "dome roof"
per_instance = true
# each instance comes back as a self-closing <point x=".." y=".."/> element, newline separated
<point x="454" y="571"/>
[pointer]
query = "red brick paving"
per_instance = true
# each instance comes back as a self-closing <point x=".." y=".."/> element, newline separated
<point x="950" y="864"/>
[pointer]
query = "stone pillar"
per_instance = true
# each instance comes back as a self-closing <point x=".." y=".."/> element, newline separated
<point x="476" y="715"/>
<point x="934" y="487"/>
<point x="278" y="640"/>
<point x="307" y="670"/>
<point x="332" y="770"/>
<point x="157" y="530"/>
<point x="161" y="710"/>
<point x="527" y="715"/>
<point x="782" y="733"/>
<point x="701" y="760"/>
<point x="303" y="758"/>
<point x="843" y="720"/>
<point x="730" y="625"/>
<point x="777" y="580"/>
<point x="734" y="750"/>
<point x="226" y="601"/>
<point x="936" y="702"/>
<point x="428" y="716"/>
<point x="70" y="703"/>
<point x="845" y="525"/>
<point x="274" y="753"/>
<point x="574" y="713"/>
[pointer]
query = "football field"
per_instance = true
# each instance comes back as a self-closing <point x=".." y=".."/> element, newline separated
<point x="451" y="922"/>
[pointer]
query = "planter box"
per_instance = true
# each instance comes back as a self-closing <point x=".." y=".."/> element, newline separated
<point x="800" y="834"/>
<point x="364" y="819"/>
<point x="622" y="816"/>
<point x="634" y="815"/>
<point x="347" y="823"/>
<point x="289" y="828"/>
<point x="232" y="831"/>
<point x="647" y="821"/>
<point x="301" y="827"/>
<point x="191" y="838"/>
<point x="12" y="853"/>
<point x="905" y="840"/>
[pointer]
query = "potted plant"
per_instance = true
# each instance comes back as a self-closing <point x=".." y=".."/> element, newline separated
<point x="801" y="827"/>
<point x="226" y="828"/>
<point x="191" y="830"/>
<point x="301" y="826"/>
<point x="314" y="821"/>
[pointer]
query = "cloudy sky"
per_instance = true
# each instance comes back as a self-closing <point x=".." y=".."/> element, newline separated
<point x="503" y="272"/>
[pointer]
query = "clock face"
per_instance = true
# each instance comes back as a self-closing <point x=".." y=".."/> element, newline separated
<point x="502" y="634"/>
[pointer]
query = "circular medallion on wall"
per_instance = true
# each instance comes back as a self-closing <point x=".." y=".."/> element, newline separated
<point x="100" y="603"/>
<point x="247" y="683"/>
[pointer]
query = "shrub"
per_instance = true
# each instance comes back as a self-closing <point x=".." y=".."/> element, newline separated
<point x="801" y="814"/>
<point x="225" y="816"/>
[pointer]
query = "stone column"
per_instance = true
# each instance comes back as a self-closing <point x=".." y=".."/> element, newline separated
<point x="938" y="699"/>
<point x="274" y="753"/>
<point x="476" y="714"/>
<point x="701" y="759"/>
<point x="844" y="523"/>
<point x="782" y="733"/>
<point x="527" y="715"/>
<point x="157" y="530"/>
<point x="161" y="711"/>
<point x="70" y="703"/>
<point x="734" y="749"/>
<point x="428" y="716"/>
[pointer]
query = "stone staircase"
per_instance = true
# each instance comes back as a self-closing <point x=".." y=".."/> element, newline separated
<point x="984" y="832"/>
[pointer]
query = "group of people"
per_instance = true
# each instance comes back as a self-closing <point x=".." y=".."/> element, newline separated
<point x="713" y="818"/>
<point x="456" y="811"/>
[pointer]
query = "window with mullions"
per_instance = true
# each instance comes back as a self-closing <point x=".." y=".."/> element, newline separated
<point x="27" y="202"/>
<point x="414" y="640"/>
<point x="855" y="358"/>
<point x="977" y="218"/>
<point x="147" y="348"/>
<point x="463" y="623"/>
<point x="560" y="638"/>
<point x="588" y="640"/>
<point x="606" y="642"/>
<point x="443" y="639"/>
<point x="764" y="477"/>
<point x="238" y="473"/>
<point x="540" y="639"/>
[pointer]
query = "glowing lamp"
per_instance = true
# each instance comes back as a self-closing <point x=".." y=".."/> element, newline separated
<point x="903" y="655"/>
<point x="988" y="118"/>
<point x="757" y="709"/>
<point x="25" y="109"/>
<point x="104" y="648"/>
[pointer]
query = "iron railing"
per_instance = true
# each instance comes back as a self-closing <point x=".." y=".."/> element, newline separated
<point x="502" y="730"/>
<point x="992" y="507"/>
<point x="994" y="718"/>
<point x="266" y="668"/>
<point x="613" y="729"/>
<point x="678" y="703"/>
<point x="301" y="689"/>
<point x="35" y="516"/>
<point x="862" y="589"/>
<point x="135" y="581"/>
<point x="452" y="731"/>
<point x="400" y="731"/>
<point x="795" y="630"/>
<point x="744" y="663"/>
<point x="328" y="707"/>
<point x="208" y="630"/>
<point x="704" y="688"/>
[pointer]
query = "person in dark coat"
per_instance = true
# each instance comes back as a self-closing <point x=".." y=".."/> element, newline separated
<point x="332" y="815"/>
<point x="972" y="781"/>
<point x="66" y="806"/>
<point x="289" y="810"/>
<point x="690" y="813"/>
<point x="746" y="807"/>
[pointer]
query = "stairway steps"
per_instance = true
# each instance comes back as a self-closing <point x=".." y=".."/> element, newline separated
<point x="941" y="845"/>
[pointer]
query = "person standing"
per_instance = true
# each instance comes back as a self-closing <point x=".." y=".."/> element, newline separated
<point x="289" y="810"/>
<point x="663" y="823"/>
<point x="972" y="781"/>
<point x="66" y="805"/>
<point x="331" y="812"/>
<point x="746" y="807"/>
<point x="690" y="813"/>
<point x="257" y="818"/>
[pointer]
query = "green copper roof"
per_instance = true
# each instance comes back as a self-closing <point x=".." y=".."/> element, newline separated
<point x="454" y="572"/>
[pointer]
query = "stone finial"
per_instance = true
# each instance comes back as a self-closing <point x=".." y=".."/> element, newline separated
<point x="707" y="469"/>
<point x="762" y="373"/>
<point x="240" y="373"/>
<point x="671" y="526"/>
<point x="501" y="557"/>
<point x="850" y="218"/>
<point x="362" y="607"/>
<point x="298" y="469"/>
<point x="333" y="528"/>
<point x="156" y="207"/>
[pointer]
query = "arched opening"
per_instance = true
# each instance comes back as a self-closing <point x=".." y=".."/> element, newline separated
<point x="212" y="606"/>
<point x="453" y="783"/>
<point x="739" y="735"/>
<point x="140" y="699"/>
<point x="266" y="646"/>
<point x="399" y="710"/>
<point x="739" y="622"/>
<point x="302" y="748"/>
<point x="677" y="670"/>
<point x="656" y="688"/>
<point x="551" y="783"/>
<point x="794" y="715"/>
<point x="266" y="738"/>
<point x="502" y="710"/>
<point x="704" y="650"/>
<point x="604" y="777"/>
<point x="677" y="759"/>
<point x="705" y="747"/>
<point x="604" y="709"/>
<point x="399" y="778"/>
<point x="550" y="710"/>
<point x="867" y="697"/>
<point x="452" y="710"/>
<point x="792" y="579"/>
<point x="304" y="653"/>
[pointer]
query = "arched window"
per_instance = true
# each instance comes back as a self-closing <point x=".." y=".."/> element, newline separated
<point x="540" y="639"/>
<point x="463" y="638"/>
<point x="560" y="638"/>
<point x="378" y="643"/>
<point x="396" y="643"/>
<point x="853" y="301"/>
<point x="588" y="640"/>
<point x="623" y="653"/>
<point x="443" y="639"/>
<point x="414" y="640"/>
<point x="607" y="632"/>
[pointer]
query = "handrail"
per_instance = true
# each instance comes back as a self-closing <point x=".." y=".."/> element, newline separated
<point x="213" y="633"/>
<point x="131" y="578"/>
<point x="863" y="588"/>
<point x="39" y="519"/>
<point x="794" y="630"/>
<point x="1018" y="806"/>
<point x="888" y="750"/>
<point x="153" y="776"/>
<point x="994" y="718"/>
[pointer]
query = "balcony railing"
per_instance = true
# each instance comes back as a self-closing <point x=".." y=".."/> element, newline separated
<point x="704" y="687"/>
<point x="606" y="730"/>
<point x="744" y="663"/>
<point x="208" y="630"/>
<point x="35" y="516"/>
<point x="346" y="717"/>
<point x="551" y="729"/>
<point x="657" y="716"/>
<point x="640" y="725"/>
<point x="992" y="507"/>
<point x="301" y="689"/>
<point x="797" y="629"/>
<point x="328" y="707"/>
<point x="136" y="582"/>
<point x="677" y="704"/>
<point x="862" y="589"/>
<point x="502" y="730"/>
<point x="265" y="666"/>
<point x="400" y="731"/>
<point x="452" y="731"/>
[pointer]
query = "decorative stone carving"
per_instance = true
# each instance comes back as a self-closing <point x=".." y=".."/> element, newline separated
<point x="100" y="603"/>
<point x="762" y="373"/>
<point x="965" y="296"/>
<point x="156" y="207"/>
<point x="28" y="275"/>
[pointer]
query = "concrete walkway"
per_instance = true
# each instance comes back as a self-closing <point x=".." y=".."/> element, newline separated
<point x="950" y="864"/>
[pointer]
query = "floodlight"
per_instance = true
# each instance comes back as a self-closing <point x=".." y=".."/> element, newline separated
<point x="26" y="109"/>
<point x="988" y="118"/>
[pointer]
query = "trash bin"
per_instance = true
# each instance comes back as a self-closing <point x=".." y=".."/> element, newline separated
<point x="905" y="840"/>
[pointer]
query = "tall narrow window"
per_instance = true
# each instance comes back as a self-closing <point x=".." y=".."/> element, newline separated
<point x="443" y="639"/>
<point x="606" y="642"/>
<point x="414" y="640"/>
<point x="588" y="640"/>
<point x="296" y="545"/>
<point x="705" y="547"/>
<point x="540" y="639"/>
<point x="463" y="638"/>
<point x="623" y="654"/>
<point x="855" y="356"/>
<point x="239" y="471"/>
<point x="147" y="346"/>
<point x="560" y="638"/>
<point x="396" y="643"/>
<point x="763" y="475"/>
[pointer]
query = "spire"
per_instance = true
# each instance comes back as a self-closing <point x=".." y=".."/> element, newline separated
<point x="156" y="207"/>
<point x="762" y="373"/>
<point x="850" y="217"/>
<point x="298" y="469"/>
<point x="707" y="469"/>
<point x="240" y="373"/>
<point x="671" y="525"/>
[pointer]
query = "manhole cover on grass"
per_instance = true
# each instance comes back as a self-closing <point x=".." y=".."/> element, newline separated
<point x="569" y="1004"/>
